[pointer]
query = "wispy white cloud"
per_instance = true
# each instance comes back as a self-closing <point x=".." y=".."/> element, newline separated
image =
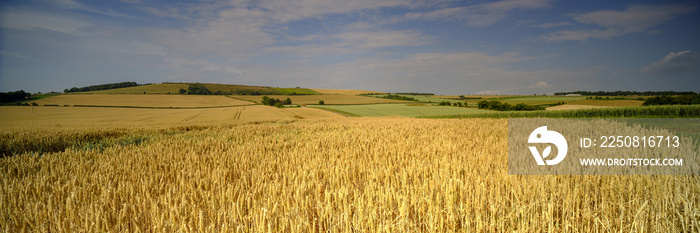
<point x="634" y="19"/>
<point x="459" y="72"/>
<point x="479" y="15"/>
<point x="539" y="87"/>
<point x="557" y="24"/>
<point x="24" y="19"/>
<point x="382" y="38"/>
<point x="14" y="54"/>
<point x="675" y="63"/>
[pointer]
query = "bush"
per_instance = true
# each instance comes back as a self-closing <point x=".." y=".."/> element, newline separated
<point x="668" y="100"/>
<point x="498" y="106"/>
<point x="182" y="91"/>
<point x="399" y="97"/>
<point x="274" y="102"/>
<point x="6" y="97"/>
<point x="198" y="89"/>
<point x="321" y="102"/>
<point x="102" y="87"/>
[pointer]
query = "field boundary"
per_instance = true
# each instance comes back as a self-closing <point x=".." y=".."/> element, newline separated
<point x="343" y="113"/>
<point x="624" y="112"/>
<point x="111" y="106"/>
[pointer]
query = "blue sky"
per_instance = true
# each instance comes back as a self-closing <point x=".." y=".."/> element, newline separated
<point x="445" y="47"/>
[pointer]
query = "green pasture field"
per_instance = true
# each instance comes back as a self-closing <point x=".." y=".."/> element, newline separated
<point x="538" y="100"/>
<point x="426" y="99"/>
<point x="405" y="110"/>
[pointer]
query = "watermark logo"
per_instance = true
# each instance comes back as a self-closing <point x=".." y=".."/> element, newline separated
<point x="542" y="135"/>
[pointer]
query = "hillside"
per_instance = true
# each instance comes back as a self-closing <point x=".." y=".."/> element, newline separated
<point x="158" y="101"/>
<point x="173" y="88"/>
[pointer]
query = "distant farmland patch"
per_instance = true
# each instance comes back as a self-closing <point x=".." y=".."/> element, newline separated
<point x="295" y="91"/>
<point x="173" y="88"/>
<point x="540" y="100"/>
<point x="180" y="101"/>
<point x="405" y="110"/>
<point x="426" y="99"/>
<point x="611" y="103"/>
<point x="328" y="99"/>
<point x="343" y="91"/>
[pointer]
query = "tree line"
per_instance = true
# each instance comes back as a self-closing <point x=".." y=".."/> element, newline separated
<point x="413" y="93"/>
<point x="448" y="103"/>
<point x="498" y="106"/>
<point x="13" y="96"/>
<point x="200" y="89"/>
<point x="398" y="97"/>
<point x="275" y="102"/>
<point x="102" y="87"/>
<point x="671" y="100"/>
<point x="624" y="93"/>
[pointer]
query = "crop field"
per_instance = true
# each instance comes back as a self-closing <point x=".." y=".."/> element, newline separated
<point x="343" y="91"/>
<point x="344" y="175"/>
<point x="173" y="88"/>
<point x="295" y="91"/>
<point x="471" y="96"/>
<point x="540" y="100"/>
<point x="133" y="100"/>
<point x="428" y="99"/>
<point x="662" y="111"/>
<point x="574" y="106"/>
<point x="20" y="116"/>
<point x="611" y="103"/>
<point x="405" y="110"/>
<point x="328" y="99"/>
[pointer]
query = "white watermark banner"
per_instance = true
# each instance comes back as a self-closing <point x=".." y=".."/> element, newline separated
<point x="604" y="146"/>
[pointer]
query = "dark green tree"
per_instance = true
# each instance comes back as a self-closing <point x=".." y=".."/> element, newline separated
<point x="198" y="89"/>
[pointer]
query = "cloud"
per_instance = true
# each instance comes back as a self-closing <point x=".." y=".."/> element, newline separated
<point x="675" y="63"/>
<point x="14" y="54"/>
<point x="540" y="87"/>
<point x="283" y="11"/>
<point x="383" y="38"/>
<point x="479" y="15"/>
<point x="557" y="24"/>
<point x="581" y="35"/>
<point x="21" y="19"/>
<point x="459" y="72"/>
<point x="634" y="19"/>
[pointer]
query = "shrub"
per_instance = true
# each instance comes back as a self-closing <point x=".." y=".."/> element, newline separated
<point x="198" y="89"/>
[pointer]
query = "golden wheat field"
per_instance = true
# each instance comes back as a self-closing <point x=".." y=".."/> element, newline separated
<point x="328" y="99"/>
<point x="343" y="91"/>
<point x="310" y="175"/>
<point x="143" y="100"/>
